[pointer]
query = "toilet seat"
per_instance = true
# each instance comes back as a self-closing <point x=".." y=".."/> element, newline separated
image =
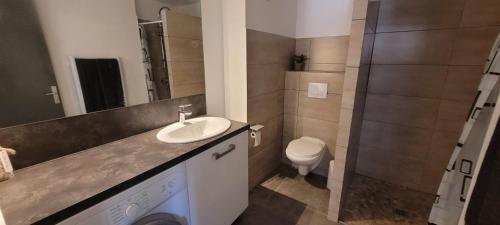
<point x="305" y="147"/>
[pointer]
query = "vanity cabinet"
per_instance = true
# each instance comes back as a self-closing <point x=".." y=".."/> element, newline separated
<point x="218" y="182"/>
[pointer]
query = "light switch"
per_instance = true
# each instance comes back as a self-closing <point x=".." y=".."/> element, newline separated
<point x="317" y="90"/>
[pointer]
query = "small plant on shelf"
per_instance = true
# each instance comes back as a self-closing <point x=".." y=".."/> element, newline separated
<point x="299" y="62"/>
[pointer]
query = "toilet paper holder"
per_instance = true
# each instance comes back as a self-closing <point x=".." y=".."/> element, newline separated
<point x="255" y="128"/>
<point x="255" y="134"/>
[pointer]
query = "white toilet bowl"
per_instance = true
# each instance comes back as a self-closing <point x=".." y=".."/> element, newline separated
<point x="305" y="153"/>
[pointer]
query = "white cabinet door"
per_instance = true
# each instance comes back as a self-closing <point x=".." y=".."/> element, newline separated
<point x="218" y="182"/>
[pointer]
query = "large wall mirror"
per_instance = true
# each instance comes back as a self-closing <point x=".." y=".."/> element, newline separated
<point x="62" y="58"/>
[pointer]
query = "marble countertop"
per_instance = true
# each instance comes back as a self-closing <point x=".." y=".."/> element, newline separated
<point x="49" y="188"/>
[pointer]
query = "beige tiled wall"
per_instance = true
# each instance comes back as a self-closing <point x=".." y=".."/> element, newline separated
<point x="352" y="103"/>
<point x="268" y="57"/>
<point x="306" y="116"/>
<point x="425" y="70"/>
<point x="325" y="54"/>
<point x="184" y="50"/>
<point x="313" y="117"/>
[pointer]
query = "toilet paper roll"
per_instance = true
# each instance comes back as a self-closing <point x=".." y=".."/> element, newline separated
<point x="256" y="138"/>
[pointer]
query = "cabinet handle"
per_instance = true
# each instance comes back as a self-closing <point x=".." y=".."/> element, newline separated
<point x="217" y="155"/>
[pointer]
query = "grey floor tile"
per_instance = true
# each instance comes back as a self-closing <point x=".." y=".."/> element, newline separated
<point x="370" y="201"/>
<point x="289" y="199"/>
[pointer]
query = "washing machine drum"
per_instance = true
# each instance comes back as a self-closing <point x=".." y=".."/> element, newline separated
<point x="158" y="219"/>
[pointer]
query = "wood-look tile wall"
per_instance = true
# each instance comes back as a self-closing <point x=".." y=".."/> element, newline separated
<point x="184" y="51"/>
<point x="426" y="65"/>
<point x="313" y="117"/>
<point x="353" y="102"/>
<point x="268" y="57"/>
<point x="325" y="54"/>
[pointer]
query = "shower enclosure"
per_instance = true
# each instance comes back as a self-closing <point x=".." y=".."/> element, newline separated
<point x="154" y="59"/>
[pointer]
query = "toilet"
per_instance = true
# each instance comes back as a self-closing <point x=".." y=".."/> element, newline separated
<point x="305" y="153"/>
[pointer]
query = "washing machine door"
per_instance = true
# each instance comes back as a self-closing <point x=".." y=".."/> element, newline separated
<point x="158" y="219"/>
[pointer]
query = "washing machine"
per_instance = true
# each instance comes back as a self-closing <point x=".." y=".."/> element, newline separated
<point x="159" y="200"/>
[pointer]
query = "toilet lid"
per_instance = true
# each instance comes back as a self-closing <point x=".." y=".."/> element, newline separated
<point x="306" y="147"/>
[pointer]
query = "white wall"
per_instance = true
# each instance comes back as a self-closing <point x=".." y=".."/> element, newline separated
<point x="300" y="18"/>
<point x="272" y="16"/>
<point x="224" y="32"/>
<point x="213" y="57"/>
<point x="93" y="28"/>
<point x="319" y="18"/>
<point x="235" y="59"/>
<point x="148" y="9"/>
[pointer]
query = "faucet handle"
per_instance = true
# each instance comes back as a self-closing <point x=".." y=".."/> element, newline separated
<point x="183" y="107"/>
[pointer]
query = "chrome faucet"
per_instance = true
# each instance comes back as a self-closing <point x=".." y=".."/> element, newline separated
<point x="183" y="112"/>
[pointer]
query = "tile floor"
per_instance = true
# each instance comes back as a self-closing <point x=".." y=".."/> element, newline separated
<point x="290" y="199"/>
<point x="374" y="202"/>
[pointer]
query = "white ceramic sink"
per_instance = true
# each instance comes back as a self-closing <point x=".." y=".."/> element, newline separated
<point x="192" y="130"/>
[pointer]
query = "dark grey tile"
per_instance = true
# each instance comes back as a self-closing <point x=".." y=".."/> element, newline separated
<point x="481" y="13"/>
<point x="408" y="141"/>
<point x="402" y="110"/>
<point x="415" y="47"/>
<point x="462" y="83"/>
<point x="77" y="177"/>
<point x="258" y="215"/>
<point x="451" y="115"/>
<point x="288" y="198"/>
<point x="55" y="138"/>
<point x="373" y="202"/>
<point x="392" y="167"/>
<point x="407" y="80"/>
<point x="404" y="15"/>
<point x="269" y="207"/>
<point x="473" y="45"/>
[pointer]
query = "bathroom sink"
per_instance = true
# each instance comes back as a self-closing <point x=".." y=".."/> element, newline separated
<point x="192" y="130"/>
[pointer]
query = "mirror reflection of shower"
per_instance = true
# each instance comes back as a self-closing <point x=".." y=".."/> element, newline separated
<point x="172" y="47"/>
<point x="154" y="57"/>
